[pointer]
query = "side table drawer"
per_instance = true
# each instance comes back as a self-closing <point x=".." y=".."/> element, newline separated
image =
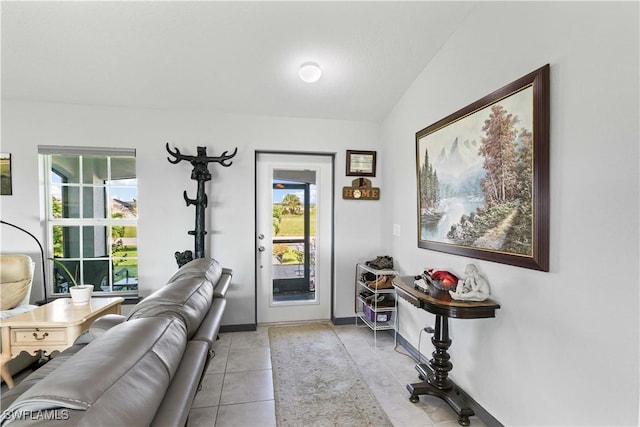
<point x="39" y="336"/>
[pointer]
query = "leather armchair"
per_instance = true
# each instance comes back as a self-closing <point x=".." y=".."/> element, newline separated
<point x="16" y="278"/>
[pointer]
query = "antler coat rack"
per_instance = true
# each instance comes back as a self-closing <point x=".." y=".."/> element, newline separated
<point x="201" y="174"/>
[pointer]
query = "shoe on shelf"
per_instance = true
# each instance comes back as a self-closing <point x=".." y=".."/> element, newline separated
<point x="382" y="262"/>
<point x="386" y="301"/>
<point x="367" y="276"/>
<point x="373" y="284"/>
<point x="373" y="299"/>
<point x="382" y="282"/>
<point x="366" y="295"/>
<point x="387" y="283"/>
<point x="374" y="261"/>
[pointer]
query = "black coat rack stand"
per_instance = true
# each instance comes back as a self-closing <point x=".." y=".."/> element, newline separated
<point x="201" y="174"/>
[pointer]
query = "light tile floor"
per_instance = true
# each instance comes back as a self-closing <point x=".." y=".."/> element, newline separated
<point x="238" y="387"/>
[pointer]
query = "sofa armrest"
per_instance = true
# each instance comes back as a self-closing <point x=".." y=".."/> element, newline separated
<point x="176" y="404"/>
<point x="221" y="287"/>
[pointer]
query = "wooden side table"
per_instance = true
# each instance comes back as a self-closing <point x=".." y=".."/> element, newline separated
<point x="51" y="327"/>
<point x="435" y="375"/>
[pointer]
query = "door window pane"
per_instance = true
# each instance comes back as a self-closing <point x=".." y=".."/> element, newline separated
<point x="294" y="236"/>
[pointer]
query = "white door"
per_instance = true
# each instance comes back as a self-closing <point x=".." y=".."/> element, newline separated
<point x="294" y="206"/>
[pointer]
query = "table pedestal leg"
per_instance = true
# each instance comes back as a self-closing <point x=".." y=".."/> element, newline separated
<point x="435" y="376"/>
<point x="4" y="370"/>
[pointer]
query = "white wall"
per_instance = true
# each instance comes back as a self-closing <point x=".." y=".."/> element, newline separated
<point x="563" y="349"/>
<point x="164" y="219"/>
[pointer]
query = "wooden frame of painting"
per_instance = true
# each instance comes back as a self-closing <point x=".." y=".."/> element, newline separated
<point x="361" y="163"/>
<point x="483" y="177"/>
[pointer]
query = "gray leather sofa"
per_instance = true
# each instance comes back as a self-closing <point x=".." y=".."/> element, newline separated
<point x="139" y="370"/>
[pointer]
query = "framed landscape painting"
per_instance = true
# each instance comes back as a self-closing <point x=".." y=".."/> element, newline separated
<point x="5" y="175"/>
<point x="483" y="177"/>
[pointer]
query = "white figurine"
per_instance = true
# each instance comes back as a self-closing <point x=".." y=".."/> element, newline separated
<point x="474" y="288"/>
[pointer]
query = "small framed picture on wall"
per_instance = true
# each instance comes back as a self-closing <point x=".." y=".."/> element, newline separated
<point x="5" y="175"/>
<point x="361" y="163"/>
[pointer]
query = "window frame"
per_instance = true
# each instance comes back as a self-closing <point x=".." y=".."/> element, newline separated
<point x="46" y="154"/>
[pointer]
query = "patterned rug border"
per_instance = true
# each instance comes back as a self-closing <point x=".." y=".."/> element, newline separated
<point x="315" y="381"/>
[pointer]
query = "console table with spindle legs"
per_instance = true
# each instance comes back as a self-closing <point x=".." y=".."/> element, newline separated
<point x="435" y="374"/>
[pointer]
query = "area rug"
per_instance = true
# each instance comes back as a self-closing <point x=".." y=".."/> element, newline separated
<point x="316" y="383"/>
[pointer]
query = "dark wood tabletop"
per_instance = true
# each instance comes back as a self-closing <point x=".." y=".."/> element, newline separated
<point x="440" y="302"/>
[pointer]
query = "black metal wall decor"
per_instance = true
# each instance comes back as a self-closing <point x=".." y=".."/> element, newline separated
<point x="201" y="174"/>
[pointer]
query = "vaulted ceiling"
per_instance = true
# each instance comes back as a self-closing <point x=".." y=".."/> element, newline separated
<point x="240" y="57"/>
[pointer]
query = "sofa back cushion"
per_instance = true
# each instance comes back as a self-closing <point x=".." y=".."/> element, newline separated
<point x="207" y="268"/>
<point x="120" y="379"/>
<point x="188" y="295"/>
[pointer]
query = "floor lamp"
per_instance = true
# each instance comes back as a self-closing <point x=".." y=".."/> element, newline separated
<point x="44" y="275"/>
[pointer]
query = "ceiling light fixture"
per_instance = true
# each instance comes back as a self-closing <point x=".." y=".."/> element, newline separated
<point x="310" y="72"/>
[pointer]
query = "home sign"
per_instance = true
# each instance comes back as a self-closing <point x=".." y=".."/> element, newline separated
<point x="361" y="189"/>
